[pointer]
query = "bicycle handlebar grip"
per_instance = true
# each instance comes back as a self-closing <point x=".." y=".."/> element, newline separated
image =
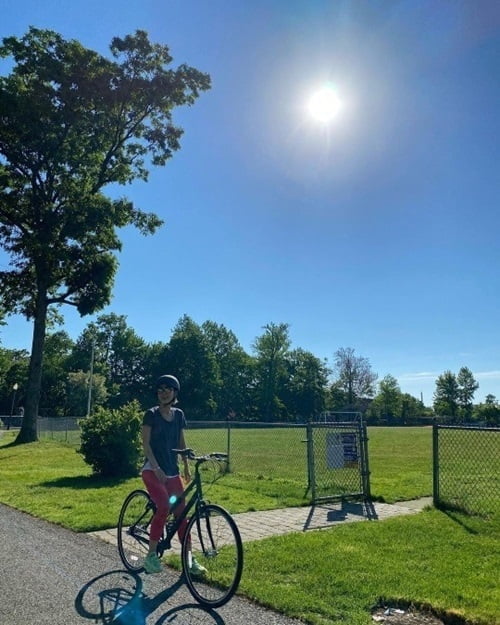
<point x="219" y="455"/>
<point x="186" y="453"/>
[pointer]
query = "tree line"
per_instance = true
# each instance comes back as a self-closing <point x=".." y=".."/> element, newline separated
<point x="110" y="365"/>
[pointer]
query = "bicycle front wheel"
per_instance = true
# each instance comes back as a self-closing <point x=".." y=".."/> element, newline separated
<point x="212" y="556"/>
<point x="133" y="529"/>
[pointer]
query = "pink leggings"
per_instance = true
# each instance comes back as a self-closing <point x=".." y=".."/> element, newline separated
<point x="160" y="493"/>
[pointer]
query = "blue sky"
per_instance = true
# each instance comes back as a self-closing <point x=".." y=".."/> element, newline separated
<point x="378" y="231"/>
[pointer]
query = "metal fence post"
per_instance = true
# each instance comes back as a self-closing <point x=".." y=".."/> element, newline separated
<point x="228" y="450"/>
<point x="435" y="464"/>
<point x="310" y="461"/>
<point x="365" y="469"/>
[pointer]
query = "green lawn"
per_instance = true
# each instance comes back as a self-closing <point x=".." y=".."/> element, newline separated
<point x="444" y="560"/>
<point x="271" y="462"/>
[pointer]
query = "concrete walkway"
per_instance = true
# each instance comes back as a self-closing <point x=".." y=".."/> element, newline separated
<point x="259" y="525"/>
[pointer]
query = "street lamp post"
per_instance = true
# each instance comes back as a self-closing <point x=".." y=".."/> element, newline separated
<point x="14" y="391"/>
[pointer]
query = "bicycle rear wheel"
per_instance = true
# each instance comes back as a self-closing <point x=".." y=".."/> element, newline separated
<point x="213" y="541"/>
<point x="133" y="529"/>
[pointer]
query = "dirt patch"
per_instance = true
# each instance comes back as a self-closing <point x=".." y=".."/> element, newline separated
<point x="389" y="615"/>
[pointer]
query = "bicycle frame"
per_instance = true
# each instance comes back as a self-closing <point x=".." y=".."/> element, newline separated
<point x="194" y="500"/>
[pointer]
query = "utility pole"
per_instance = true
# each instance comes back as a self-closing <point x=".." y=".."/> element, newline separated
<point x="91" y="378"/>
<point x="14" y="391"/>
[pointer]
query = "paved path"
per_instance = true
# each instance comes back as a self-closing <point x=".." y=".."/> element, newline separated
<point x="259" y="525"/>
<point x="52" y="576"/>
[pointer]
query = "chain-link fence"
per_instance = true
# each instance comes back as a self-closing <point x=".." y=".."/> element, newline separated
<point x="338" y="460"/>
<point x="466" y="470"/>
<point x="270" y="459"/>
<point x="289" y="463"/>
<point x="10" y="421"/>
<point x="64" y="429"/>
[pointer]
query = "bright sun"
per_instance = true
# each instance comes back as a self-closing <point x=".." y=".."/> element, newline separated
<point x="324" y="105"/>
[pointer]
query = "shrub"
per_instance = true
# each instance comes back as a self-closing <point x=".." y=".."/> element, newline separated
<point x="111" y="440"/>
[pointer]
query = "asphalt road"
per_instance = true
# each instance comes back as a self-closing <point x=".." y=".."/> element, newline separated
<point x="50" y="575"/>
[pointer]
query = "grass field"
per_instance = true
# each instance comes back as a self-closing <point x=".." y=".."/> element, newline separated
<point x="272" y="462"/>
<point x="445" y="560"/>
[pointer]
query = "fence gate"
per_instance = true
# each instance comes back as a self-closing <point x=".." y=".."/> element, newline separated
<point x="337" y="458"/>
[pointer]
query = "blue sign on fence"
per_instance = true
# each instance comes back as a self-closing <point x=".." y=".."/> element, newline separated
<point x="341" y="450"/>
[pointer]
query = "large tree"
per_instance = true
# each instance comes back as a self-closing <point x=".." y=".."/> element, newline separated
<point x="446" y="395"/>
<point x="271" y="350"/>
<point x="73" y="122"/>
<point x="234" y="371"/>
<point x="305" y="387"/>
<point x="387" y="403"/>
<point x="188" y="356"/>
<point x="354" y="376"/>
<point x="467" y="386"/>
<point x="117" y="353"/>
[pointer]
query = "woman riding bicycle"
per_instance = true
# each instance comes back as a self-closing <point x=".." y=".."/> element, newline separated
<point x="162" y="431"/>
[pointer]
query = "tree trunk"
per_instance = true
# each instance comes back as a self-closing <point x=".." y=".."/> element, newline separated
<point x="28" y="432"/>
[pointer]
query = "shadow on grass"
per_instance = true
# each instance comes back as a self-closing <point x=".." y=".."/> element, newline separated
<point x="459" y="518"/>
<point x="10" y="445"/>
<point x="82" y="482"/>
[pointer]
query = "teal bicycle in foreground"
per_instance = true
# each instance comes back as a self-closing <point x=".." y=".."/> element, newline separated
<point x="212" y="537"/>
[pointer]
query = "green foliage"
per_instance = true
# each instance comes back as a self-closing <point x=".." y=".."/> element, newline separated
<point x="189" y="357"/>
<point x="73" y="122"/>
<point x="392" y="407"/>
<point x="111" y="441"/>
<point x="232" y="390"/>
<point x="446" y="395"/>
<point x="119" y="356"/>
<point x="271" y="349"/>
<point x="13" y="370"/>
<point x="454" y="395"/>
<point x="467" y="386"/>
<point x="354" y="377"/>
<point x="488" y="412"/>
<point x="77" y="386"/>
<point x="305" y="386"/>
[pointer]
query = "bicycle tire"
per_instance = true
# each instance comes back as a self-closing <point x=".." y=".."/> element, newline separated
<point x="216" y="544"/>
<point x="133" y="529"/>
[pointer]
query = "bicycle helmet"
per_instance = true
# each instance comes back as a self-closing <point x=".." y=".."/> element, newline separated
<point x="168" y="380"/>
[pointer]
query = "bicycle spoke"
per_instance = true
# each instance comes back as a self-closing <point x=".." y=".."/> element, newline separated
<point x="216" y="546"/>
<point x="133" y="529"/>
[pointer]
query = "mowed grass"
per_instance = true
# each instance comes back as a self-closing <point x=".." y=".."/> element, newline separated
<point x="268" y="470"/>
<point x="431" y="559"/>
<point x="272" y="462"/>
<point x="400" y="463"/>
<point x="444" y="560"/>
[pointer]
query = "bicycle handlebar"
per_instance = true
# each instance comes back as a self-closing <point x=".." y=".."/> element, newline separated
<point x="191" y="455"/>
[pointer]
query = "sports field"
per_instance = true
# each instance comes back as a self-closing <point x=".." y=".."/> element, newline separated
<point x="272" y="461"/>
<point x="269" y="465"/>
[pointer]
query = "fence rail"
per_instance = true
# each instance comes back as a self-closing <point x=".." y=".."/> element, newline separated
<point x="466" y="469"/>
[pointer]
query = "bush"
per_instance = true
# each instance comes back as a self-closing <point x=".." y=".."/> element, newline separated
<point x="111" y="440"/>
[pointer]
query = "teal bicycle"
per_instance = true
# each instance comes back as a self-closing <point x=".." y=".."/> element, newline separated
<point x="212" y="537"/>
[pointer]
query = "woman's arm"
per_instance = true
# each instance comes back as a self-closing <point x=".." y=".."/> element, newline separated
<point x="148" y="452"/>
<point x="182" y="445"/>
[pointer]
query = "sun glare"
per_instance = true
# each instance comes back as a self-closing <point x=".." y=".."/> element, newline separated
<point x="324" y="105"/>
